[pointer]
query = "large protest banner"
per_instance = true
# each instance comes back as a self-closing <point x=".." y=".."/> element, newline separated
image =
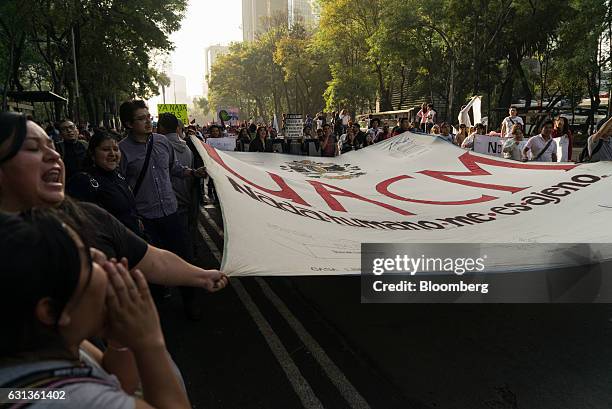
<point x="179" y="110"/>
<point x="304" y="216"/>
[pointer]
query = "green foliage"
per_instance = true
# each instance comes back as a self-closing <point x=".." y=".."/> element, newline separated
<point x="114" y="41"/>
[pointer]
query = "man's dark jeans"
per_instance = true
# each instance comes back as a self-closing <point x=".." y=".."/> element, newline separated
<point x="169" y="233"/>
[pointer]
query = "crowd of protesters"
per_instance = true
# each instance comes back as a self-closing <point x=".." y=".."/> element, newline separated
<point x="82" y="271"/>
<point x="78" y="273"/>
<point x="338" y="133"/>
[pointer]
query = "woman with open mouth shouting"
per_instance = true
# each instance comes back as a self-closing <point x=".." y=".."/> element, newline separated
<point x="32" y="175"/>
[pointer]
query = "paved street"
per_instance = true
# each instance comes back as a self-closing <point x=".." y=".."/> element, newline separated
<point x="308" y="342"/>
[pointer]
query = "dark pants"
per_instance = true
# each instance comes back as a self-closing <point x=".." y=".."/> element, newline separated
<point x="172" y="233"/>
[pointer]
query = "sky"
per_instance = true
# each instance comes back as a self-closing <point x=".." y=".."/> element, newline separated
<point x="206" y="22"/>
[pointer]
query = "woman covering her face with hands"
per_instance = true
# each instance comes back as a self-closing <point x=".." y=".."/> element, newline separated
<point x="55" y="297"/>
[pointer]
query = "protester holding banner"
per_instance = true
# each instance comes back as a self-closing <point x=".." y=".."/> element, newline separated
<point x="563" y="137"/>
<point x="349" y="141"/>
<point x="445" y="132"/>
<point x="462" y="135"/>
<point x="374" y="130"/>
<point x="510" y="121"/>
<point x="468" y="142"/>
<point x="242" y="140"/>
<point x="542" y="146"/>
<point x="511" y="149"/>
<point x="32" y="175"/>
<point x="599" y="144"/>
<point x="403" y="125"/>
<point x="261" y="143"/>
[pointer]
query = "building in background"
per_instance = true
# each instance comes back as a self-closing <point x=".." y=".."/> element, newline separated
<point x="176" y="93"/>
<point x="257" y="14"/>
<point x="210" y="56"/>
<point x="301" y="11"/>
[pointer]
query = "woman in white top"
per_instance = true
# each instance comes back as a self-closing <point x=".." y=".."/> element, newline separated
<point x="468" y="143"/>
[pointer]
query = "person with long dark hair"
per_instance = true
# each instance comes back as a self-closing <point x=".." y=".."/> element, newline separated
<point x="102" y="183"/>
<point x="564" y="142"/>
<point x="54" y="298"/>
<point x="32" y="175"/>
<point x="262" y="142"/>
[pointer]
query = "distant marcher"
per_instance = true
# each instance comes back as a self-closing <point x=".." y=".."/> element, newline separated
<point x="445" y="132"/>
<point x="432" y="116"/>
<point x="71" y="148"/>
<point x="422" y="118"/>
<point x="509" y="121"/>
<point x="462" y="135"/>
<point x="511" y="148"/>
<point x="563" y="137"/>
<point x="542" y="146"/>
<point x="403" y="125"/>
<point x="468" y="142"/>
<point x="261" y="143"/>
<point x="329" y="145"/>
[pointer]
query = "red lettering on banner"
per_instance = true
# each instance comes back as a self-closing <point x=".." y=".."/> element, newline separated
<point x="383" y="188"/>
<point x="323" y="189"/>
<point x="285" y="191"/>
<point x="471" y="163"/>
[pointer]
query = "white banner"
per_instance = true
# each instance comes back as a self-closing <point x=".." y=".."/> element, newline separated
<point x="226" y="143"/>
<point x="464" y="116"/>
<point x="489" y="145"/>
<point x="288" y="215"/>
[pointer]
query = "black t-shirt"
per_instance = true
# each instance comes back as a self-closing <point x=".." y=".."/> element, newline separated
<point x="112" y="237"/>
<point x="110" y="191"/>
<point x="73" y="154"/>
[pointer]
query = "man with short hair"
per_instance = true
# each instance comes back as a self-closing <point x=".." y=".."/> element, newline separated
<point x="510" y="121"/>
<point x="403" y="125"/>
<point x="600" y="143"/>
<point x="72" y="149"/>
<point x="147" y="162"/>
<point x="543" y="148"/>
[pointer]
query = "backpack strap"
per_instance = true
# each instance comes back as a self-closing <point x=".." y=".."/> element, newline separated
<point x="145" y="166"/>
<point x="597" y="147"/>
<point x="543" y="150"/>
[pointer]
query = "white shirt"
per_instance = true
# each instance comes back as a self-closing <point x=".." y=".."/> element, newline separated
<point x="510" y="121"/>
<point x="537" y="143"/>
<point x="562" y="148"/>
<point x="345" y="119"/>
